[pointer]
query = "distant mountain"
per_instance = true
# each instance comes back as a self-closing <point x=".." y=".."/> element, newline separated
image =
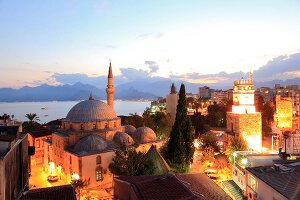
<point x="138" y="89"/>
<point x="74" y="92"/>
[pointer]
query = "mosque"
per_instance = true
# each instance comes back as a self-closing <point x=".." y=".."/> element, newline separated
<point x="90" y="134"/>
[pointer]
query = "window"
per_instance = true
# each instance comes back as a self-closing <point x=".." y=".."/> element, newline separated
<point x="106" y="125"/>
<point x="81" y="126"/>
<point x="98" y="174"/>
<point x="37" y="143"/>
<point x="98" y="160"/>
<point x="94" y="126"/>
<point x="70" y="160"/>
<point x="115" y="124"/>
<point x="252" y="182"/>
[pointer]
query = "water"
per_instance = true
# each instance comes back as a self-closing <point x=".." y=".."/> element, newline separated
<point x="59" y="109"/>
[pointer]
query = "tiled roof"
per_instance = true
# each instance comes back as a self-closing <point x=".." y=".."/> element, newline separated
<point x="201" y="185"/>
<point x="159" y="187"/>
<point x="179" y="186"/>
<point x="284" y="179"/>
<point x="51" y="193"/>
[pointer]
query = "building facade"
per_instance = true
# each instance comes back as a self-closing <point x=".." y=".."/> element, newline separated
<point x="85" y="145"/>
<point x="171" y="102"/>
<point x="14" y="167"/>
<point x="244" y="121"/>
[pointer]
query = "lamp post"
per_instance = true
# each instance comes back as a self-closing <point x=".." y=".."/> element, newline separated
<point x="234" y="155"/>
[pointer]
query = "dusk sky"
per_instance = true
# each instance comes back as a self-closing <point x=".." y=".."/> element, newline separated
<point x="167" y="38"/>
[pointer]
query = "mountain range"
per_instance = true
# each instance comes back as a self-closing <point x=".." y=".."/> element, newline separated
<point x="138" y="89"/>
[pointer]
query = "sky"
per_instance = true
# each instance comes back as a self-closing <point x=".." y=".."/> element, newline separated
<point x="41" y="40"/>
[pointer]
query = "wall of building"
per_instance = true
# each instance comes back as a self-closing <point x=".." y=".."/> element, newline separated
<point x="284" y="113"/>
<point x="171" y="105"/>
<point x="89" y="166"/>
<point x="14" y="170"/>
<point x="263" y="191"/>
<point x="89" y="126"/>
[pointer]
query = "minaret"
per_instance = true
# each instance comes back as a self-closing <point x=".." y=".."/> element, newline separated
<point x="110" y="90"/>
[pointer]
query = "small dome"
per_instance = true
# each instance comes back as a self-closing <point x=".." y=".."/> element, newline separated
<point x="122" y="138"/>
<point x="90" y="143"/>
<point x="144" y="135"/>
<point x="129" y="129"/>
<point x="90" y="111"/>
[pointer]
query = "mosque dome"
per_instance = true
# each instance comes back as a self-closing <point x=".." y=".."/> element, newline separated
<point x="129" y="129"/>
<point x="90" y="143"/>
<point x="90" y="111"/>
<point x="144" y="135"/>
<point x="122" y="138"/>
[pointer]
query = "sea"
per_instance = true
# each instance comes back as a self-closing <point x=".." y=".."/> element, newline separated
<point x="48" y="111"/>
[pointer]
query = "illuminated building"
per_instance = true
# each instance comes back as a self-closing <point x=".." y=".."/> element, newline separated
<point x="171" y="102"/>
<point x="293" y="92"/>
<point x="243" y="120"/>
<point x="284" y="113"/>
<point x="220" y="96"/>
<point x="86" y="143"/>
<point x="205" y="92"/>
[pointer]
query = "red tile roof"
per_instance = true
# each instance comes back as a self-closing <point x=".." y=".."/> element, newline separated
<point x="51" y="193"/>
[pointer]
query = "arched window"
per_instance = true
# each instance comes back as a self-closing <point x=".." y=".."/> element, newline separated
<point x="94" y="126"/>
<point x="71" y="126"/>
<point x="115" y="124"/>
<point x="99" y="174"/>
<point x="81" y="126"/>
<point x="106" y="125"/>
<point x="98" y="160"/>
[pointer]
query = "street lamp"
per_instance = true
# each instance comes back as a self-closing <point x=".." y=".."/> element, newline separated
<point x="234" y="155"/>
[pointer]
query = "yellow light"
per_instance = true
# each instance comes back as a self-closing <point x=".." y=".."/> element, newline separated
<point x="75" y="177"/>
<point x="244" y="161"/>
<point x="234" y="154"/>
<point x="52" y="168"/>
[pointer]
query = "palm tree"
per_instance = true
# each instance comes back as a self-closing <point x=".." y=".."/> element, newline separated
<point x="32" y="117"/>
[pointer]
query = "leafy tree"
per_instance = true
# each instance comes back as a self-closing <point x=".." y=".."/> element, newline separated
<point x="134" y="120"/>
<point x="159" y="122"/>
<point x="128" y="162"/>
<point x="32" y="117"/>
<point x="208" y="154"/>
<point x="199" y="124"/>
<point x="210" y="140"/>
<point x="180" y="147"/>
<point x="235" y="144"/>
<point x="216" y="116"/>
<point x="267" y="116"/>
<point x="31" y="123"/>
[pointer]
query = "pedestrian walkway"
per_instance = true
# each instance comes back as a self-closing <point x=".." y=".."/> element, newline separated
<point x="235" y="191"/>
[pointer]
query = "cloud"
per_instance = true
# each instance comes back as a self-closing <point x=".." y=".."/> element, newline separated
<point x="152" y="66"/>
<point x="150" y="35"/>
<point x="281" y="67"/>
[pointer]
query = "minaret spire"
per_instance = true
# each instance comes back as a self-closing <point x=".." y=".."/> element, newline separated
<point x="251" y="75"/>
<point x="110" y="90"/>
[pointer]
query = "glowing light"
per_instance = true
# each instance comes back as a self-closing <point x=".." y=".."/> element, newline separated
<point x="196" y="144"/>
<point x="244" y="161"/>
<point x="75" y="177"/>
<point x="52" y="168"/>
<point x="254" y="141"/>
<point x="234" y="154"/>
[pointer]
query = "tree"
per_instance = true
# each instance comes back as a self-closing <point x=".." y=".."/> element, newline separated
<point x="216" y="116"/>
<point x="134" y="120"/>
<point x="199" y="124"/>
<point x="32" y="122"/>
<point x="235" y="144"/>
<point x="180" y="147"/>
<point x="159" y="122"/>
<point x="267" y="116"/>
<point x="128" y="162"/>
<point x="210" y="140"/>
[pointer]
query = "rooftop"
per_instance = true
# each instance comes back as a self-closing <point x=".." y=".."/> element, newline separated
<point x="284" y="178"/>
<point x="179" y="186"/>
<point x="49" y="193"/>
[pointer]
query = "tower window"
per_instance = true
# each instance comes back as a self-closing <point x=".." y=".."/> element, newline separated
<point x="98" y="160"/>
<point x="99" y="174"/>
